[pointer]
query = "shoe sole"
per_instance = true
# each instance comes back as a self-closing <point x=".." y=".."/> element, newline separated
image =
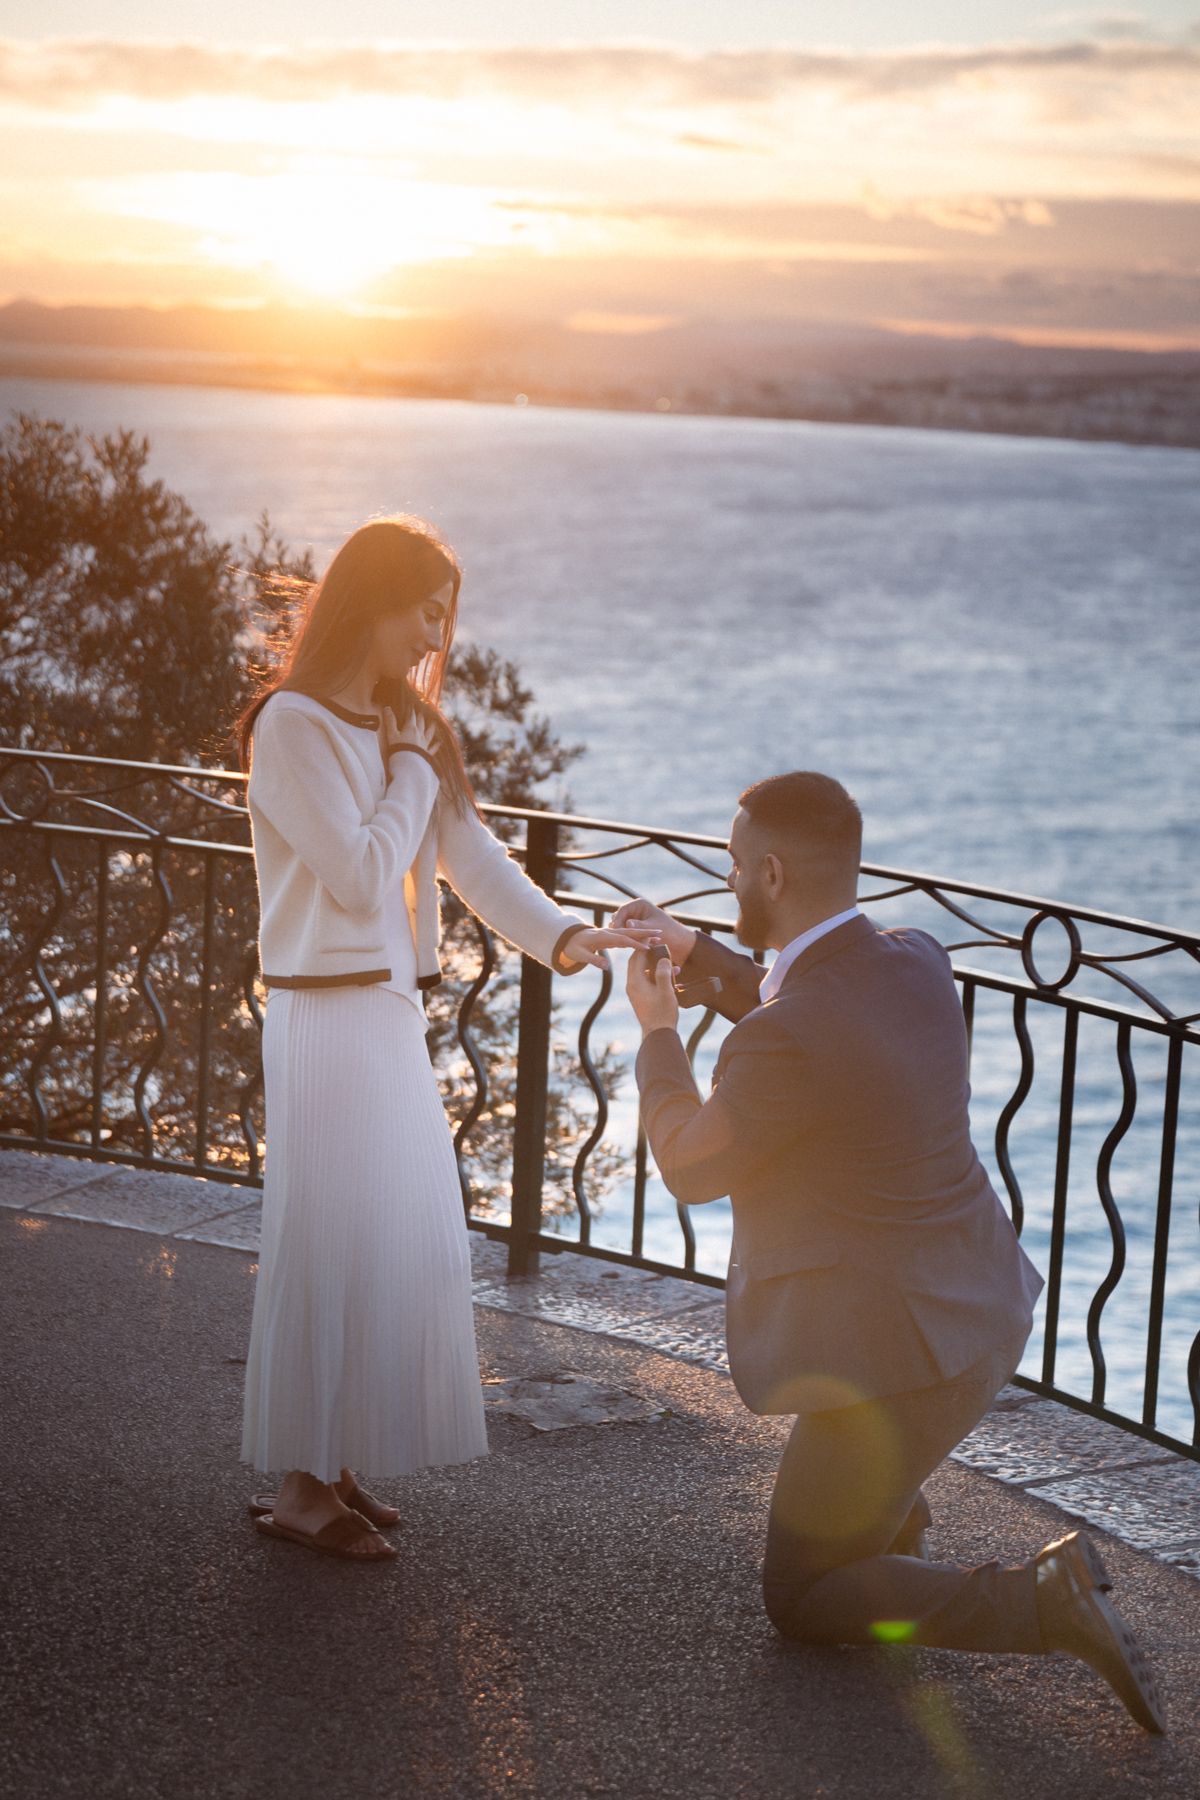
<point x="259" y="1505"/>
<point x="307" y="1541"/>
<point x="1140" y="1692"/>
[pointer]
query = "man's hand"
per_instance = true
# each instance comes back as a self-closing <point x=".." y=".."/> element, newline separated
<point x="651" y="989"/>
<point x="655" y="923"/>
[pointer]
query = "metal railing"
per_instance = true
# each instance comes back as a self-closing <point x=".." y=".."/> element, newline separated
<point x="133" y="1012"/>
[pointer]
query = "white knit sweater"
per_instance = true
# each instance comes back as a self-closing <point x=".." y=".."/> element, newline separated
<point x="335" y="835"/>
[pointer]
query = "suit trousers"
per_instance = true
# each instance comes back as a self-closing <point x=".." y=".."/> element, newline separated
<point x="846" y="1506"/>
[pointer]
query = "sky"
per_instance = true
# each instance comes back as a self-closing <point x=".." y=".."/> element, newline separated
<point x="614" y="166"/>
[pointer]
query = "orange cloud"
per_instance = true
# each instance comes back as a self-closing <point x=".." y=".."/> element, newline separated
<point x="60" y="73"/>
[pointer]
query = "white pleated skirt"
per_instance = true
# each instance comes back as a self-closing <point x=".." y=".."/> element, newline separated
<point x="362" y="1347"/>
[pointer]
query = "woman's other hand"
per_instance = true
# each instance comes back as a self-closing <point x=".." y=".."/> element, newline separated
<point x="415" y="734"/>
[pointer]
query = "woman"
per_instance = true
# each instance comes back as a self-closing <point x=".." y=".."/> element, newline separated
<point x="362" y="1347"/>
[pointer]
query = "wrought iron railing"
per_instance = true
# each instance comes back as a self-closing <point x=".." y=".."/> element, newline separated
<point x="132" y="1016"/>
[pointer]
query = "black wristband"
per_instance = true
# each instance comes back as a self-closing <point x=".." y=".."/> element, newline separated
<point x="413" y="749"/>
<point x="556" y="955"/>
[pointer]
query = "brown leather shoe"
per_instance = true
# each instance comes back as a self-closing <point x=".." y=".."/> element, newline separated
<point x="1076" y="1616"/>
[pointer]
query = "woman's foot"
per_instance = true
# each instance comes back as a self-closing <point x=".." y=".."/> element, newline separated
<point x="305" y="1504"/>
<point x="374" y="1511"/>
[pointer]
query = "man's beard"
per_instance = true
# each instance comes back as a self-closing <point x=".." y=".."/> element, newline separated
<point x="752" y="924"/>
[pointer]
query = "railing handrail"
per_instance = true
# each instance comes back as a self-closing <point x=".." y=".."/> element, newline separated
<point x="918" y="880"/>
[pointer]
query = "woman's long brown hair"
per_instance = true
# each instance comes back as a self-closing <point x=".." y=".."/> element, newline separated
<point x="388" y="565"/>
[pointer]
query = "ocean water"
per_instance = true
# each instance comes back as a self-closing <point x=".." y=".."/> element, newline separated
<point x="991" y="641"/>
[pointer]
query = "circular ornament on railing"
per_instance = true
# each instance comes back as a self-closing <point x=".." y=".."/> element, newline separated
<point x="1074" y="950"/>
<point x="26" y="790"/>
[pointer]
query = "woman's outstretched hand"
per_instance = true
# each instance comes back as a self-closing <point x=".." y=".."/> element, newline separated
<point x="591" y="944"/>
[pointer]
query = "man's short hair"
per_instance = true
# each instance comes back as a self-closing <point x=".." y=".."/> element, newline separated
<point x="811" y="809"/>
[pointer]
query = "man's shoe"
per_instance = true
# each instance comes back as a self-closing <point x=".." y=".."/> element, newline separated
<point x="1076" y="1616"/>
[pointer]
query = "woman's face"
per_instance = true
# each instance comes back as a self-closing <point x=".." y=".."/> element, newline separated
<point x="404" y="639"/>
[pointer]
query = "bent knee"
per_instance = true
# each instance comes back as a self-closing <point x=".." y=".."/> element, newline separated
<point x="786" y="1604"/>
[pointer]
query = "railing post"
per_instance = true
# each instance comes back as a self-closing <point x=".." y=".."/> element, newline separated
<point x="533" y="1070"/>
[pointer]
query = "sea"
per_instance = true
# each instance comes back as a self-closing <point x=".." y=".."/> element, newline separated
<point x="992" y="641"/>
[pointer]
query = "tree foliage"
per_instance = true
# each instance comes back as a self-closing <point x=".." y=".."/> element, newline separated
<point x="128" y="631"/>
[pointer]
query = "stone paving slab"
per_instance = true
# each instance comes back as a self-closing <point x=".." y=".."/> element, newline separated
<point x="663" y="1312"/>
<point x="696" y="1337"/>
<point x="1047" y="1441"/>
<point x="142" y="1200"/>
<point x="240" y="1229"/>
<point x="563" y="1402"/>
<point x="568" y="1281"/>
<point x="28" y="1179"/>
<point x="1156" y="1508"/>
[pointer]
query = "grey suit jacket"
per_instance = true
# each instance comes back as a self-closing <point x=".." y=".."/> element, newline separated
<point x="870" y="1255"/>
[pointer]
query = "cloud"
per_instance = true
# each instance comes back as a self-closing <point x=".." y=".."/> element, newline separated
<point x="64" y="73"/>
<point x="696" y="140"/>
<point x="1103" y="25"/>
<point x="982" y="215"/>
<point x="878" y="228"/>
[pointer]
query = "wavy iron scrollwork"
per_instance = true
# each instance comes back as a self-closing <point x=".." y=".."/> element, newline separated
<point x="251" y="1089"/>
<point x="1112" y="1213"/>
<point x="592" y="1076"/>
<point x="46" y="988"/>
<point x="83" y="792"/>
<point x="1010" y="1110"/>
<point x="144" y="983"/>
<point x="487" y="964"/>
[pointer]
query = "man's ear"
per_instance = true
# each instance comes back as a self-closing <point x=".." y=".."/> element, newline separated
<point x="773" y="873"/>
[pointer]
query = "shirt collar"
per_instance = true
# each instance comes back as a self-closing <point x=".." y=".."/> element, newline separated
<point x="773" y="980"/>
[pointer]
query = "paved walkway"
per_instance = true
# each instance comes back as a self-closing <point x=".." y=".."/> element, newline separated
<point x="576" y="1614"/>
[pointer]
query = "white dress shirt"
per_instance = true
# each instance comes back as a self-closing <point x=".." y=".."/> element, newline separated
<point x="772" y="981"/>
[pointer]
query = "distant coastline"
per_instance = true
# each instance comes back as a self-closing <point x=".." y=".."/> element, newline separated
<point x="986" y="385"/>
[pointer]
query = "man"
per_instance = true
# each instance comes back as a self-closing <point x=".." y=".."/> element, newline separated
<point x="876" y="1286"/>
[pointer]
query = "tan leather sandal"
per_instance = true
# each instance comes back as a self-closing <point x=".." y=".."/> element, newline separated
<point x="333" y="1539"/>
<point x="375" y="1512"/>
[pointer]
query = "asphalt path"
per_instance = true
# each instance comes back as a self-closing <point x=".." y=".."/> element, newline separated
<point x="576" y="1614"/>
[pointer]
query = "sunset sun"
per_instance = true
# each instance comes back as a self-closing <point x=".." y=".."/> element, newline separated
<point x="324" y="231"/>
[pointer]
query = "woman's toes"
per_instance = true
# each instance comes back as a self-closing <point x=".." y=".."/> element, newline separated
<point x="371" y="1544"/>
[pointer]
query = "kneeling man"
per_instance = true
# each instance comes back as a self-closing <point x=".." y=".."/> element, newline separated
<point x="876" y="1286"/>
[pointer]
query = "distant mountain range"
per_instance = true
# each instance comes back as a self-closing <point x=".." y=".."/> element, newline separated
<point x="766" y="369"/>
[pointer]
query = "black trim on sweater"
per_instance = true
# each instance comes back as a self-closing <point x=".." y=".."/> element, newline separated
<point x="368" y="721"/>
<point x="415" y="749"/>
